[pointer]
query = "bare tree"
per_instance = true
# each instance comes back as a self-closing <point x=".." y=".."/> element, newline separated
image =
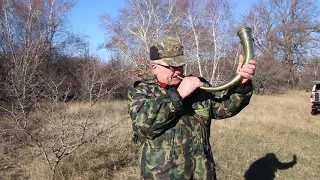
<point x="203" y="27"/>
<point x="95" y="78"/>
<point x="194" y="12"/>
<point x="28" y="29"/>
<point x="140" y="24"/>
<point x="210" y="37"/>
<point x="286" y="31"/>
<point x="32" y="101"/>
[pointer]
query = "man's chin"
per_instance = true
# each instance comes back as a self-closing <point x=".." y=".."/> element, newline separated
<point x="175" y="81"/>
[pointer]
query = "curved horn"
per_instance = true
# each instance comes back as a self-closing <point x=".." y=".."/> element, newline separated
<point x="245" y="35"/>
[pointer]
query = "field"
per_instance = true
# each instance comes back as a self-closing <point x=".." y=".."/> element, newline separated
<point x="265" y="136"/>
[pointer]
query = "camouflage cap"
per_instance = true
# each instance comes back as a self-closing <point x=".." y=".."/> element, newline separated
<point x="170" y="51"/>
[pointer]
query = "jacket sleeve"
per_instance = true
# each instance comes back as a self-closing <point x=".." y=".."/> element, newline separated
<point x="229" y="103"/>
<point x="152" y="115"/>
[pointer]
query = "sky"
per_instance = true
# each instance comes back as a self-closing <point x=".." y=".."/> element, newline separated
<point x="84" y="19"/>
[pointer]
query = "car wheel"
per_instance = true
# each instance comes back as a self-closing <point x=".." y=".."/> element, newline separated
<point x="313" y="112"/>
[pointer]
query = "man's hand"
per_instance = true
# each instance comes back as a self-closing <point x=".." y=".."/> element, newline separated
<point x="188" y="85"/>
<point x="247" y="71"/>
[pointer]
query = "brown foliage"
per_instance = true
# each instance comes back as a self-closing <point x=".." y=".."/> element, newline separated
<point x="272" y="76"/>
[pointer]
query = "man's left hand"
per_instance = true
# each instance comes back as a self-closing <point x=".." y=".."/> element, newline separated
<point x="247" y="71"/>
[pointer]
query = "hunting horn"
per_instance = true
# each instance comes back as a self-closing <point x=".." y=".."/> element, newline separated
<point x="245" y="35"/>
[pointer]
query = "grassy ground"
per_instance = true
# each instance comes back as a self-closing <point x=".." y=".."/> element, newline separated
<point x="280" y="126"/>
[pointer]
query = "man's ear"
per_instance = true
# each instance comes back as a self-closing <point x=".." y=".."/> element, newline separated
<point x="154" y="68"/>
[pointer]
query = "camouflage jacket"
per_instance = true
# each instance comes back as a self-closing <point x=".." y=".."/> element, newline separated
<point x="174" y="132"/>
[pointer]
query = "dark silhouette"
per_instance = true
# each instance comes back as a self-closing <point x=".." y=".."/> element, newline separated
<point x="266" y="167"/>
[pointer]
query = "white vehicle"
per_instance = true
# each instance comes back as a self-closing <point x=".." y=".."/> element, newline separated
<point x="315" y="97"/>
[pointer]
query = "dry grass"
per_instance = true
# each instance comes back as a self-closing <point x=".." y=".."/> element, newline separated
<point x="279" y="124"/>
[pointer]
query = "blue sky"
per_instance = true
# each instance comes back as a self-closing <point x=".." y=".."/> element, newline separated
<point x="84" y="19"/>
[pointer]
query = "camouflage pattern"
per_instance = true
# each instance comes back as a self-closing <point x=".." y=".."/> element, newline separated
<point x="171" y="51"/>
<point x="174" y="144"/>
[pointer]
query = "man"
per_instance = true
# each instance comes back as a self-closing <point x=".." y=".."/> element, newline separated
<point x="171" y="117"/>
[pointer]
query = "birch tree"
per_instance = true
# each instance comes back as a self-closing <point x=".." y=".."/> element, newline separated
<point x="138" y="26"/>
<point x="33" y="105"/>
<point x="203" y="27"/>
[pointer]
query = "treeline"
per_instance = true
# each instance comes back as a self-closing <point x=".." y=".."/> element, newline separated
<point x="41" y="59"/>
<point x="286" y="34"/>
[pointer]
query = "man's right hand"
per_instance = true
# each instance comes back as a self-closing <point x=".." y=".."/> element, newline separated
<point x="188" y="85"/>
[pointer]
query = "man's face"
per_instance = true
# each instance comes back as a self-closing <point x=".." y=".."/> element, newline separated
<point x="167" y="74"/>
